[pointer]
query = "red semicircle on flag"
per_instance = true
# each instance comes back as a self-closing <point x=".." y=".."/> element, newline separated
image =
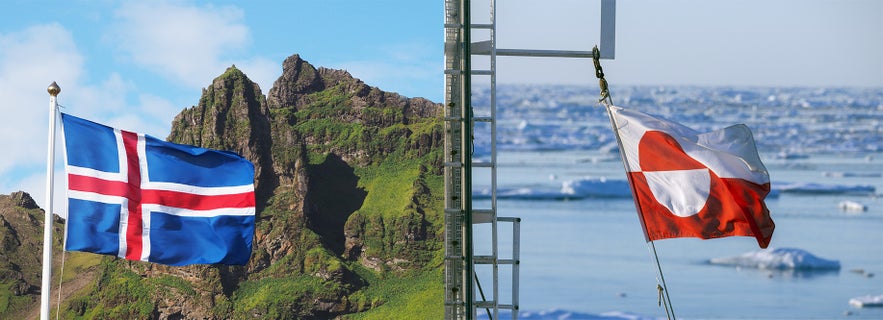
<point x="679" y="196"/>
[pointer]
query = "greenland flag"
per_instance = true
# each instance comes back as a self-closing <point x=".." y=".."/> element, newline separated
<point x="691" y="184"/>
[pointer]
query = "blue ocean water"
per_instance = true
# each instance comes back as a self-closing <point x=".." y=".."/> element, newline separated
<point x="586" y="258"/>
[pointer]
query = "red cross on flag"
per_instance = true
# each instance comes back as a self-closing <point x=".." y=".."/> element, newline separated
<point x="691" y="184"/>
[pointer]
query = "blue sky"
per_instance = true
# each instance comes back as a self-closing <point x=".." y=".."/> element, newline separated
<point x="136" y="64"/>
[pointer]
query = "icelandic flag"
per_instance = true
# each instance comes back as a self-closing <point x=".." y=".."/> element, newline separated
<point x="140" y="198"/>
<point x="691" y="184"/>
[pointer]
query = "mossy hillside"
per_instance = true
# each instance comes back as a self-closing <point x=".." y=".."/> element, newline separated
<point x="21" y="243"/>
<point x="78" y="263"/>
<point x="369" y="134"/>
<point x="118" y="294"/>
<point x="289" y="286"/>
<point x="400" y="219"/>
<point x="420" y="296"/>
<point x="401" y="216"/>
<point x="10" y="302"/>
<point x="283" y="298"/>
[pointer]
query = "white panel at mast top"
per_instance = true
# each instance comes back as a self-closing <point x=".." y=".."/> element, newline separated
<point x="608" y="29"/>
<point x="549" y="28"/>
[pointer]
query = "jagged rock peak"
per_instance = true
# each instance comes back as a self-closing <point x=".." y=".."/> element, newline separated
<point x="298" y="77"/>
<point x="232" y="115"/>
<point x="23" y="199"/>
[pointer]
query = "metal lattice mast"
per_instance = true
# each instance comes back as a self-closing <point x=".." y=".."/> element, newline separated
<point x="465" y="292"/>
<point x="458" y="185"/>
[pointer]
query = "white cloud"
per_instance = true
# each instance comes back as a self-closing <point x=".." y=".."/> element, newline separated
<point x="185" y="43"/>
<point x="30" y="59"/>
<point x="154" y="117"/>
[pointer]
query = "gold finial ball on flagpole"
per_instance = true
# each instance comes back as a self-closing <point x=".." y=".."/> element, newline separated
<point x="53" y="89"/>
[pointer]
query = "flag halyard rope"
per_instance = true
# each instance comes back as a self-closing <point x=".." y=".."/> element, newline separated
<point x="606" y="100"/>
<point x="663" y="297"/>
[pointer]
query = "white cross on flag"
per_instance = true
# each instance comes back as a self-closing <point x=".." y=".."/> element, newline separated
<point x="690" y="184"/>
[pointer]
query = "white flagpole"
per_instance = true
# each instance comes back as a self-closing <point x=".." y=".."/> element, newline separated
<point x="53" y="90"/>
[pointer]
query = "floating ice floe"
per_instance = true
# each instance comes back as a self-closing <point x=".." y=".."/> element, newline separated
<point x="557" y="314"/>
<point x="851" y="206"/>
<point x="867" y="301"/>
<point x="852" y="174"/>
<point x="570" y="189"/>
<point x="818" y="188"/>
<point x="779" y="259"/>
<point x="524" y="194"/>
<point x="597" y="188"/>
<point x="791" y="156"/>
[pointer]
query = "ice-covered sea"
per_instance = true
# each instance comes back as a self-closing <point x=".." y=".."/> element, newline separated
<point x="583" y="254"/>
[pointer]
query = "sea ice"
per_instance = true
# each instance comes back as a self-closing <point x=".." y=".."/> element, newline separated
<point x="558" y="314"/>
<point x="867" y="301"/>
<point x="779" y="259"/>
<point x="596" y="187"/>
<point x="835" y="174"/>
<point x="819" y="188"/>
<point x="521" y="194"/>
<point x="852" y="206"/>
<point x="570" y="189"/>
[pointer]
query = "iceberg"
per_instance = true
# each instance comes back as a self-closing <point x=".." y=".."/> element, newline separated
<point x="867" y="301"/>
<point x="596" y="188"/>
<point x="851" y="206"/>
<point x="521" y="194"/>
<point x="779" y="259"/>
<point x="835" y="174"/>
<point x="558" y="314"/>
<point x="819" y="188"/>
<point x="570" y="189"/>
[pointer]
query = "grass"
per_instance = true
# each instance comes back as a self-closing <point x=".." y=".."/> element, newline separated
<point x="280" y="298"/>
<point x="418" y="297"/>
<point x="389" y="188"/>
<point x="77" y="263"/>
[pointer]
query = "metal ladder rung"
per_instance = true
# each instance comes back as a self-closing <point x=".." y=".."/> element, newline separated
<point x="478" y="215"/>
<point x="492" y="260"/>
<point x="453" y="71"/>
<point x="483" y="165"/>
<point x="490" y="304"/>
<point x="481" y="72"/>
<point x="455" y="303"/>
<point x="456" y="257"/>
<point x="483" y="119"/>
<point x="456" y="164"/>
<point x="481" y="26"/>
<point x="482" y="216"/>
<point x="453" y="26"/>
<point x="483" y="259"/>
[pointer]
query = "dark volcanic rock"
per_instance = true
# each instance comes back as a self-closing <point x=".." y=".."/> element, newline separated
<point x="232" y="115"/>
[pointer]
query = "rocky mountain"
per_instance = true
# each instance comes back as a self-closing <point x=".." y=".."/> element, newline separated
<point x="349" y="190"/>
<point x="21" y="231"/>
